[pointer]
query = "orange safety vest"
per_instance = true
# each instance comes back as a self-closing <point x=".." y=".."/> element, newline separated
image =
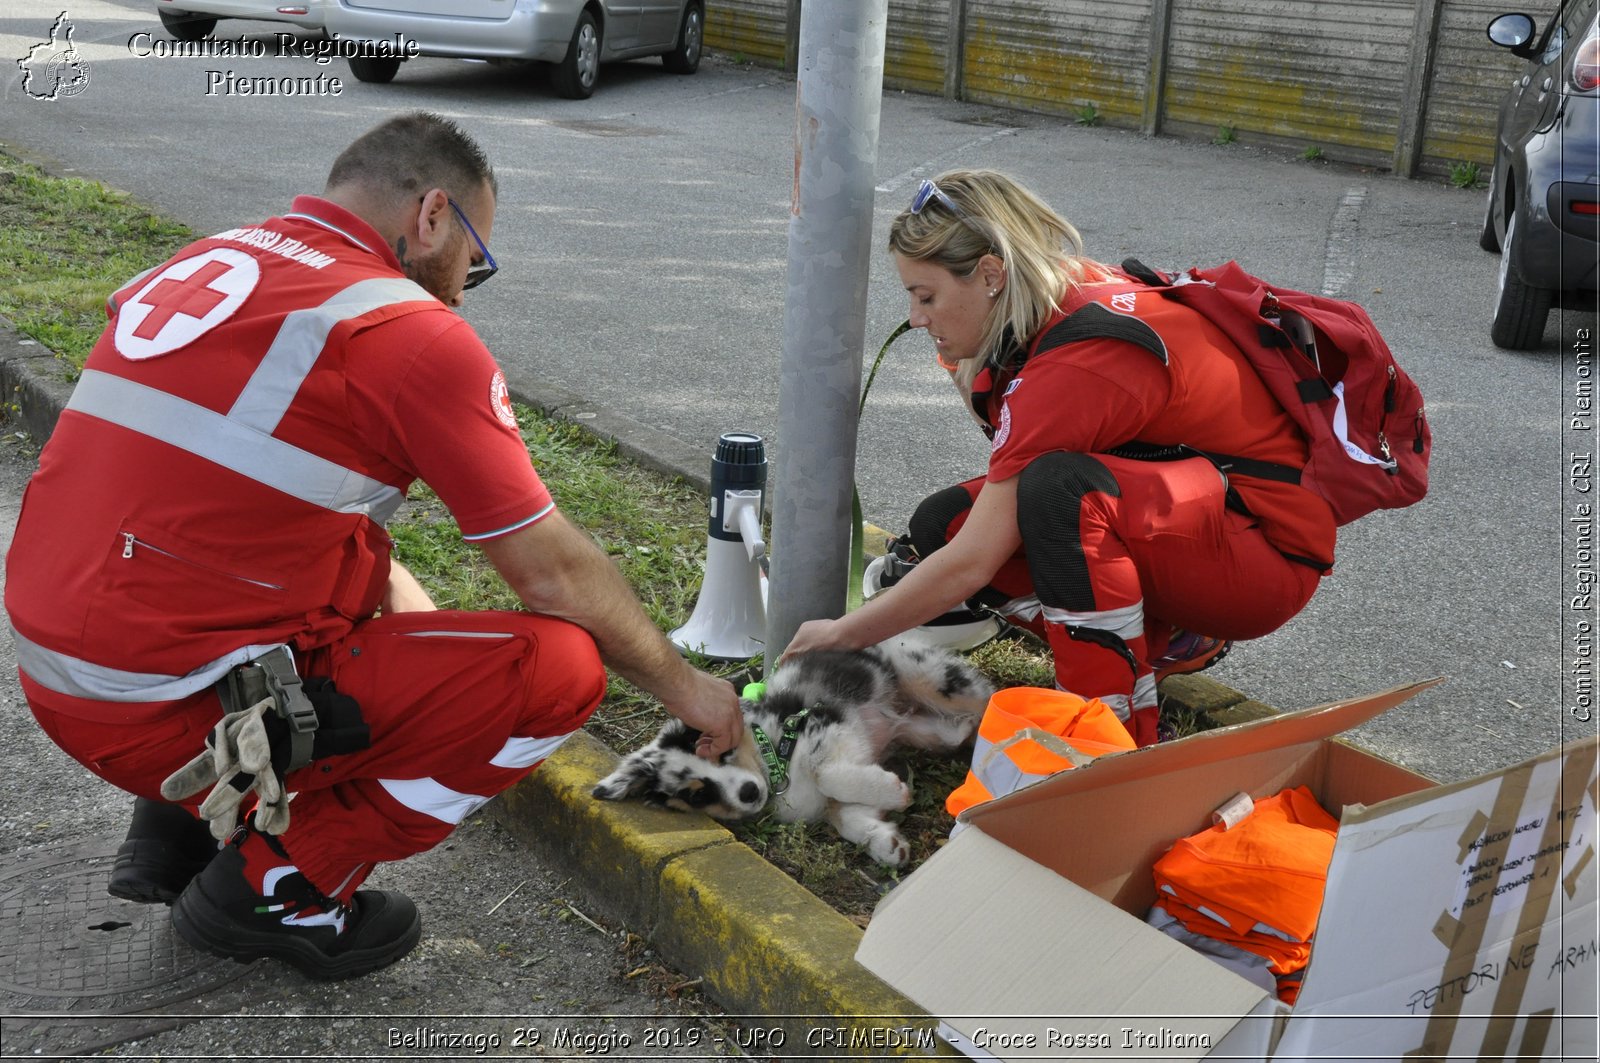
<point x="1257" y="885"/>
<point x="1030" y="733"/>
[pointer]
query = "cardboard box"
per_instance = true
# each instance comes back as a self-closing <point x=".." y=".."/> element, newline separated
<point x="1459" y="920"/>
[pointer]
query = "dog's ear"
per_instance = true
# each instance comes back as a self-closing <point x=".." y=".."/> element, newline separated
<point x="675" y="734"/>
<point x="633" y="778"/>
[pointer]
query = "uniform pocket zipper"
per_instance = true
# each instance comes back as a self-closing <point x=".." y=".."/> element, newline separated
<point x="130" y="540"/>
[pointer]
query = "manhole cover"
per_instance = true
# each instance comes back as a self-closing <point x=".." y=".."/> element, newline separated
<point x="68" y="946"/>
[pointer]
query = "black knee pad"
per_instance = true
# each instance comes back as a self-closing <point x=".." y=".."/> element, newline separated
<point x="1050" y="493"/>
<point x="929" y="527"/>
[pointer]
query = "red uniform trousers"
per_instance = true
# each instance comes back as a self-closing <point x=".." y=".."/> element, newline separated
<point x="460" y="705"/>
<point x="1116" y="554"/>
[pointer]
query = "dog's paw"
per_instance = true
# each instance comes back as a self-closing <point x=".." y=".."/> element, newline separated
<point x="888" y="847"/>
<point x="902" y="795"/>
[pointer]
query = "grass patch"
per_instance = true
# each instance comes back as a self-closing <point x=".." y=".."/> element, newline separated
<point x="65" y="245"/>
<point x="1465" y="175"/>
<point x="1087" y="114"/>
<point x="1311" y="154"/>
<point x="1225" y="135"/>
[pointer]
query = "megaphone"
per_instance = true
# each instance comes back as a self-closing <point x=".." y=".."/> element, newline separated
<point x="729" y="622"/>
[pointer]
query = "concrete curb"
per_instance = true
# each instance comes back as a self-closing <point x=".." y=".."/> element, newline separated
<point x="766" y="947"/>
<point x="31" y="379"/>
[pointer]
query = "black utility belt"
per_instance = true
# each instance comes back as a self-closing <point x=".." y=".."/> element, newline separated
<point x="272" y="675"/>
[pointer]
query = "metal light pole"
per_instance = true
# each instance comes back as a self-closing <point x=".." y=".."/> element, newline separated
<point x="839" y="88"/>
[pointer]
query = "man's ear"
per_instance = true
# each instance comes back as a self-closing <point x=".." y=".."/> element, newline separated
<point x="432" y="221"/>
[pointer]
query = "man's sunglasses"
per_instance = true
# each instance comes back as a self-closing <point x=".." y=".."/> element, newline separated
<point x="478" y="272"/>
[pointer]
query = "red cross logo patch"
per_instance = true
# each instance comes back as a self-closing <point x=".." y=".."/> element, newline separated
<point x="500" y="400"/>
<point x="185" y="301"/>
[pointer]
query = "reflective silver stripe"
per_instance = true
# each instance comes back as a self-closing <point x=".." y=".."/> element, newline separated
<point x="1120" y="704"/>
<point x="521" y="752"/>
<point x="1025" y="608"/>
<point x="299" y="343"/>
<point x="1144" y="691"/>
<point x="433" y="799"/>
<point x="509" y="528"/>
<point x="331" y="228"/>
<point x="65" y="674"/>
<point x="1125" y="623"/>
<point x="246" y="451"/>
<point x="999" y="773"/>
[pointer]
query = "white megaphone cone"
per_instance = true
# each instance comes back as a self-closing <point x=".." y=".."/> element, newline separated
<point x="729" y="622"/>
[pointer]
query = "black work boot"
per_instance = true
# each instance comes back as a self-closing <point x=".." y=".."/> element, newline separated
<point x="164" y="849"/>
<point x="286" y="918"/>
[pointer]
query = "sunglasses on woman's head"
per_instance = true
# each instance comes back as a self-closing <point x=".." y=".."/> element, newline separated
<point x="928" y="192"/>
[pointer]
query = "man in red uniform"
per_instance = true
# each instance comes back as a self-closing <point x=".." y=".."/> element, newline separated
<point x="215" y="494"/>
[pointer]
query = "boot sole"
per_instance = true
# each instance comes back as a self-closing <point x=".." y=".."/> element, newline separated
<point x="199" y="922"/>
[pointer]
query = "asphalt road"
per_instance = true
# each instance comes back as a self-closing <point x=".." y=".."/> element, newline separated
<point x="642" y="236"/>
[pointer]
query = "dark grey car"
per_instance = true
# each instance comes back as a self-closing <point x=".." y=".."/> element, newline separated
<point x="1543" y="215"/>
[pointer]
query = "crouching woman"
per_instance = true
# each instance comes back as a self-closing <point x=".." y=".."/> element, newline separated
<point x="1097" y="525"/>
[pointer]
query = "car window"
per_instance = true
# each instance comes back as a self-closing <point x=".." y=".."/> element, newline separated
<point x="1579" y="16"/>
<point x="1553" y="51"/>
<point x="1569" y="21"/>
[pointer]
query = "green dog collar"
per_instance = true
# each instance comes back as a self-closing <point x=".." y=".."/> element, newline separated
<point x="777" y="760"/>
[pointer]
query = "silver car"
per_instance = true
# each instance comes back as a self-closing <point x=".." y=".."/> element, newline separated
<point x="191" y="20"/>
<point x="576" y="36"/>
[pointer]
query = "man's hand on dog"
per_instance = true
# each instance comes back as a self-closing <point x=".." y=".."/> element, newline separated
<point x="711" y="707"/>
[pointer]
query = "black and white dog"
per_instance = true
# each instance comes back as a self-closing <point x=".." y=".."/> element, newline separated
<point x="815" y="743"/>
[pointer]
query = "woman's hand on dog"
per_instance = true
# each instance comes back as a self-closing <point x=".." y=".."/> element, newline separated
<point x="818" y="635"/>
<point x="710" y="706"/>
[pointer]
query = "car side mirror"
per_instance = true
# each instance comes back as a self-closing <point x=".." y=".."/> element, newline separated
<point x="1515" y="32"/>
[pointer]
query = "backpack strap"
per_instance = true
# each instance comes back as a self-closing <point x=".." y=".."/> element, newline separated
<point x="1144" y="274"/>
<point x="1139" y="450"/>
<point x="1094" y="322"/>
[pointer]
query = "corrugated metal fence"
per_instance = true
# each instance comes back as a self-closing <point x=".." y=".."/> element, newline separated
<point x="1412" y="85"/>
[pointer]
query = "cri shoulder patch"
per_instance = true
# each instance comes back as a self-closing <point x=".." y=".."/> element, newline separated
<point x="183" y="302"/>
<point x="500" y="400"/>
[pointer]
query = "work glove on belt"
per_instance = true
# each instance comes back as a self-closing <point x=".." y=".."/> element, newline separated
<point x="249" y="752"/>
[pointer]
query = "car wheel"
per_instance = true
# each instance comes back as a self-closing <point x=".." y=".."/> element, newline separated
<point x="1520" y="310"/>
<point x="186" y="27"/>
<point x="376" y="69"/>
<point x="1486" y="237"/>
<point x="575" y="76"/>
<point x="685" y="55"/>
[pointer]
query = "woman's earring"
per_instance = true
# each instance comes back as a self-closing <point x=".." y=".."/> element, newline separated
<point x="993" y="292"/>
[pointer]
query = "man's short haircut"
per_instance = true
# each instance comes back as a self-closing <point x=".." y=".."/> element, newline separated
<point x="411" y="153"/>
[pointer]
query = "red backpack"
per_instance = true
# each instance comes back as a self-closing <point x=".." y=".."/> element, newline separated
<point x="1325" y="362"/>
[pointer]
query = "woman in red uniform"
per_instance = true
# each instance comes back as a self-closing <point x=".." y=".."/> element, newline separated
<point x="1095" y="526"/>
